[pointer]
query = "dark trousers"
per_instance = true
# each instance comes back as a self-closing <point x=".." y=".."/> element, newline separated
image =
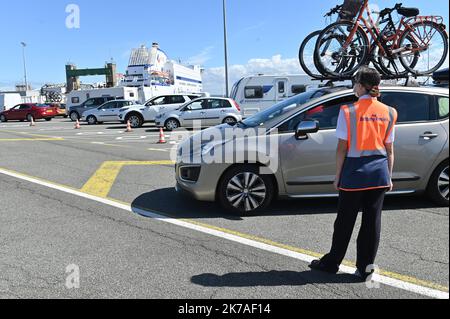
<point x="350" y="204"/>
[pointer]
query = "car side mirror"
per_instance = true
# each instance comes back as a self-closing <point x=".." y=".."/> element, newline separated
<point x="305" y="128"/>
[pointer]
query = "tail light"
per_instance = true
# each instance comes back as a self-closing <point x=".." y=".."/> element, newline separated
<point x="237" y="105"/>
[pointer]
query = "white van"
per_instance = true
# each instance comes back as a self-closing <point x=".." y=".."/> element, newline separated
<point x="256" y="93"/>
<point x="9" y="100"/>
<point x="76" y="98"/>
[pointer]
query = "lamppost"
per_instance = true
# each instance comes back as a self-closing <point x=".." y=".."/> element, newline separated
<point x="24" y="64"/>
<point x="226" y="49"/>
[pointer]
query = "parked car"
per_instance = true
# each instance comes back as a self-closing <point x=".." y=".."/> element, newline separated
<point x="209" y="111"/>
<point x="29" y="111"/>
<point x="305" y="128"/>
<point x="108" y="112"/>
<point x="75" y="112"/>
<point x="138" y="115"/>
<point x="60" y="109"/>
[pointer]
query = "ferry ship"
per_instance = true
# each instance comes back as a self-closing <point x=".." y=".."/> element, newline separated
<point x="151" y="69"/>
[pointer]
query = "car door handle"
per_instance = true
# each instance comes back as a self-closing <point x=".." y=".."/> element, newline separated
<point x="429" y="135"/>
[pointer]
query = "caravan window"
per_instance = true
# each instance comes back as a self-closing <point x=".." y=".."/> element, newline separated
<point x="297" y="89"/>
<point x="254" y="92"/>
<point x="281" y="87"/>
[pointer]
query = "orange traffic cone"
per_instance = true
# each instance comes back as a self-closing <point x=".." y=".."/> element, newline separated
<point x="77" y="125"/>
<point x="32" y="122"/>
<point x="129" y="129"/>
<point x="162" y="137"/>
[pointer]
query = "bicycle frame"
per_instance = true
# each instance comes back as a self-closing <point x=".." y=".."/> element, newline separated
<point x="380" y="40"/>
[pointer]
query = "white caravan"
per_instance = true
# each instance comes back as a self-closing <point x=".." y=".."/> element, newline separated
<point x="256" y="93"/>
<point x="9" y="100"/>
<point x="76" y="98"/>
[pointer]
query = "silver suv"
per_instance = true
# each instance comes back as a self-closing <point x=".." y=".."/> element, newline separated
<point x="304" y="127"/>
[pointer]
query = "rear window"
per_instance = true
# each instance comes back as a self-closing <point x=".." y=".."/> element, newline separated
<point x="443" y="107"/>
<point x="411" y="107"/>
<point x="220" y="104"/>
<point x="42" y="105"/>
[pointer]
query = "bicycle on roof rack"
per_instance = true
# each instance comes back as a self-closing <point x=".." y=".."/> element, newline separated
<point x="417" y="45"/>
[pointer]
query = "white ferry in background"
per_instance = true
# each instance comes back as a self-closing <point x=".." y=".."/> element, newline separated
<point x="154" y="74"/>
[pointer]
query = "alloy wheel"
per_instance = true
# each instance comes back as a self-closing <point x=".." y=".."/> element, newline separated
<point x="172" y="125"/>
<point x="246" y="191"/>
<point x="135" y="121"/>
<point x="443" y="183"/>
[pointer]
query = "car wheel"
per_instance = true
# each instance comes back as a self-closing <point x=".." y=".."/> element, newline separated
<point x="172" y="124"/>
<point x="438" y="190"/>
<point x="30" y="117"/>
<point x="48" y="119"/>
<point x="74" y="116"/>
<point x="244" y="190"/>
<point x="3" y="118"/>
<point x="91" y="120"/>
<point x="136" y="121"/>
<point x="230" y="121"/>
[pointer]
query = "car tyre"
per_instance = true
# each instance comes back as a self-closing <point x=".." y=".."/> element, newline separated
<point x="438" y="187"/>
<point x="230" y="121"/>
<point x="91" y="120"/>
<point x="48" y="119"/>
<point x="74" y="116"/>
<point x="136" y="120"/>
<point x="3" y="119"/>
<point x="243" y="190"/>
<point x="172" y="124"/>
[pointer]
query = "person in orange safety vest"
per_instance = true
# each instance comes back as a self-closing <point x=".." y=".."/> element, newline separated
<point x="365" y="160"/>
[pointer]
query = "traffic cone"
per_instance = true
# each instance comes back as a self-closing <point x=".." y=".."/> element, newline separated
<point x="129" y="129"/>
<point x="162" y="137"/>
<point x="32" y="122"/>
<point x="77" y="125"/>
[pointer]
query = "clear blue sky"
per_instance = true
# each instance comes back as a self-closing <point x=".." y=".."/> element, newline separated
<point x="190" y="30"/>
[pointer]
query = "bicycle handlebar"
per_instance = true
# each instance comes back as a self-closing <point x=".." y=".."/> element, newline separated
<point x="333" y="11"/>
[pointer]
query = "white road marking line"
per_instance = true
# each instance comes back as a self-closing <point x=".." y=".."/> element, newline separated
<point x="266" y="247"/>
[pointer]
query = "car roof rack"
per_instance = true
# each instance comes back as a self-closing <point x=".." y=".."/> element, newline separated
<point x="410" y="80"/>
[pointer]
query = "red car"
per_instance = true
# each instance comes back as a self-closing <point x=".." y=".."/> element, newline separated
<point x="28" y="111"/>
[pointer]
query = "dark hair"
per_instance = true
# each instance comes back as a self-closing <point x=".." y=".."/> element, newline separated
<point x="370" y="79"/>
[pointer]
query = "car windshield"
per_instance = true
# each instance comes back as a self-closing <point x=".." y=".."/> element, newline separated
<point x="282" y="108"/>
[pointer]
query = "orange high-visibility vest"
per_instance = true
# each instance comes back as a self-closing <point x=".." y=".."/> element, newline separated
<point x="369" y="125"/>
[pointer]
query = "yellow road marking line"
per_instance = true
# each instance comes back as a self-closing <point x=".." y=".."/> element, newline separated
<point x="102" y="181"/>
<point x="393" y="275"/>
<point x="389" y="274"/>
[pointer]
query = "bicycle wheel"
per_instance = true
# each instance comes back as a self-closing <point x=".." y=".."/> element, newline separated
<point x="336" y="58"/>
<point x="306" y="55"/>
<point x="391" y="65"/>
<point x="427" y="42"/>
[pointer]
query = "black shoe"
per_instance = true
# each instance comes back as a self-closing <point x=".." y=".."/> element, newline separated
<point x="363" y="275"/>
<point x="320" y="266"/>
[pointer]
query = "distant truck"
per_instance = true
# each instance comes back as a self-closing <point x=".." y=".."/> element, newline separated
<point x="256" y="93"/>
<point x="9" y="100"/>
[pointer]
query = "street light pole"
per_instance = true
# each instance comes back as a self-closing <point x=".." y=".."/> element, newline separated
<point x="226" y="48"/>
<point x="24" y="64"/>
